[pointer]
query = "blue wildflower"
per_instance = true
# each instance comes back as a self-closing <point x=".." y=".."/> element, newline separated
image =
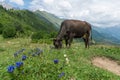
<point x="62" y="74"/>
<point x="38" y="51"/>
<point x="20" y="51"/>
<point x="33" y="54"/>
<point x="15" y="54"/>
<point x="24" y="57"/>
<point x="56" y="61"/>
<point x="19" y="64"/>
<point x="11" y="69"/>
<point x="41" y="51"/>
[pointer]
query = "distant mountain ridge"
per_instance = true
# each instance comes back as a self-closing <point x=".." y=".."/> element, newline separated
<point x="44" y="21"/>
<point x="50" y="17"/>
<point x="25" y="19"/>
<point x="103" y="35"/>
<point x="114" y="31"/>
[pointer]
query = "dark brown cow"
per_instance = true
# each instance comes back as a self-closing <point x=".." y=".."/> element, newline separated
<point x="73" y="29"/>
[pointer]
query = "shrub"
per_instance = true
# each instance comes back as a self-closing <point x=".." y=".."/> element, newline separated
<point x="52" y="34"/>
<point x="9" y="32"/>
<point x="43" y="37"/>
<point x="39" y="35"/>
<point x="36" y="36"/>
<point x="1" y="28"/>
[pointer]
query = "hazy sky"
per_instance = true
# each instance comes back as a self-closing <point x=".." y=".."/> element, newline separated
<point x="103" y="13"/>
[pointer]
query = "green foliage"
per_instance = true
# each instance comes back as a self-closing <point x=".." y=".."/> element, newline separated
<point x="43" y="36"/>
<point x="46" y="69"/>
<point x="18" y="27"/>
<point x="1" y="28"/>
<point x="52" y="34"/>
<point x="76" y="65"/>
<point x="37" y="35"/>
<point x="2" y="49"/>
<point x="24" y="21"/>
<point x="9" y="32"/>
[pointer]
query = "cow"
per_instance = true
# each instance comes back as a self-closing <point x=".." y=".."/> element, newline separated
<point x="73" y="29"/>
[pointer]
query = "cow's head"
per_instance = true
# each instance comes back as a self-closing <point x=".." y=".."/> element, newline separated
<point x="57" y="43"/>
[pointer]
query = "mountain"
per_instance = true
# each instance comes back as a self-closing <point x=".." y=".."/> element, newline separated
<point x="44" y="21"/>
<point x="100" y="34"/>
<point x="50" y="17"/>
<point x="114" y="31"/>
<point x="25" y="19"/>
<point x="105" y="35"/>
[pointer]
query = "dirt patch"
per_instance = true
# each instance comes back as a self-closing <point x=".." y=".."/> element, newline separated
<point x="107" y="64"/>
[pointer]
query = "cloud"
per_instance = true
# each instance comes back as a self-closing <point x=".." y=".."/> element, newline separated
<point x="103" y="13"/>
<point x="2" y="0"/>
<point x="18" y="2"/>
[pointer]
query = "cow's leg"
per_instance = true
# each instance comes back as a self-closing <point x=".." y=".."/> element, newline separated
<point x="71" y="36"/>
<point x="88" y="38"/>
<point x="85" y="41"/>
<point x="70" y="41"/>
<point x="66" y="42"/>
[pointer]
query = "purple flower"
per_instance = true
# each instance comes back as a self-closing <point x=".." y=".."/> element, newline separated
<point x="15" y="54"/>
<point x="18" y="52"/>
<point x="10" y="69"/>
<point x="19" y="64"/>
<point x="22" y="50"/>
<point x="33" y="55"/>
<point x="56" y="61"/>
<point x="62" y="74"/>
<point x="24" y="57"/>
<point x="38" y="51"/>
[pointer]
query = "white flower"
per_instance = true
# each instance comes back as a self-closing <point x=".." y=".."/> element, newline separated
<point x="67" y="60"/>
<point x="65" y="55"/>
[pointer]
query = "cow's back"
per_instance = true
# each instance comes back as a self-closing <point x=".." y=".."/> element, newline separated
<point x="76" y="26"/>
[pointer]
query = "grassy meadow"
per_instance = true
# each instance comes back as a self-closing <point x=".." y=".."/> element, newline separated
<point x="51" y="64"/>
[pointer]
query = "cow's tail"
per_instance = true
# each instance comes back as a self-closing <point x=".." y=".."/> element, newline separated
<point x="91" y="34"/>
<point x="90" y="31"/>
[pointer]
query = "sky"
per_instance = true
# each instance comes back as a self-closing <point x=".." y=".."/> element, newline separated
<point x="101" y="13"/>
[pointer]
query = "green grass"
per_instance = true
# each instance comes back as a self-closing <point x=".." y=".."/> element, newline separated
<point x="42" y="67"/>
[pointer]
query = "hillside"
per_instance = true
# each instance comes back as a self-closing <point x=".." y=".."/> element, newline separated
<point x="50" y="17"/>
<point x="100" y="35"/>
<point x="24" y="19"/>
<point x="28" y="21"/>
<point x="103" y="35"/>
<point x="114" y="31"/>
